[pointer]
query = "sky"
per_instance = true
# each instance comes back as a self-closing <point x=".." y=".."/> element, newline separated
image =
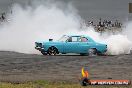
<point x="107" y="9"/>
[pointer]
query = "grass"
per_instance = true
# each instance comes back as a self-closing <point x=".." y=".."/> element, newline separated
<point x="46" y="84"/>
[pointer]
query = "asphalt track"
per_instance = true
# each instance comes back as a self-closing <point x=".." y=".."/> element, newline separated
<point x="18" y="67"/>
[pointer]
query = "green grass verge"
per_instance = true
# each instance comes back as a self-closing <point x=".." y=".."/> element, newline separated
<point x="46" y="84"/>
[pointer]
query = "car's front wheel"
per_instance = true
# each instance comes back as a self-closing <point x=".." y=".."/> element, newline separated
<point x="52" y="51"/>
<point x="92" y="52"/>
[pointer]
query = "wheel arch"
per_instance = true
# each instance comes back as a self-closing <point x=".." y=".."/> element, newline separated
<point x="94" y="48"/>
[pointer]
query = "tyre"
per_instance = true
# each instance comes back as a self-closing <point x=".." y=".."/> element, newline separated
<point x="52" y="51"/>
<point x="92" y="52"/>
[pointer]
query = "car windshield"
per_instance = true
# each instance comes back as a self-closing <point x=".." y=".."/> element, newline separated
<point x="63" y="38"/>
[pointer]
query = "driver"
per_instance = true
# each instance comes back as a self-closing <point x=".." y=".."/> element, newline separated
<point x="83" y="39"/>
<point x="70" y="39"/>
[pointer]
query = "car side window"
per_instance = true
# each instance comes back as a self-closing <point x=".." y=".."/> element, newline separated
<point x="83" y="39"/>
<point x="72" y="39"/>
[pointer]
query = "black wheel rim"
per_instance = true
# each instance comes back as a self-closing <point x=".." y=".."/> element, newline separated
<point x="52" y="51"/>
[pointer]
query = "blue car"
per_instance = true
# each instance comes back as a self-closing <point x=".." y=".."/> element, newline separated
<point x="80" y="44"/>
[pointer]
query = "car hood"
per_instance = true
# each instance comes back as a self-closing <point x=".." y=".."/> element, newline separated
<point x="49" y="42"/>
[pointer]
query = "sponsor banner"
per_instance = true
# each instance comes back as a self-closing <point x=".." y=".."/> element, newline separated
<point x="109" y="82"/>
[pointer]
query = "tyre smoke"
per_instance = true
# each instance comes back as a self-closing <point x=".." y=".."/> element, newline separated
<point x="52" y="20"/>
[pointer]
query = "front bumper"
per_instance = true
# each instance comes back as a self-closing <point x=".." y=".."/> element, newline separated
<point x="39" y="48"/>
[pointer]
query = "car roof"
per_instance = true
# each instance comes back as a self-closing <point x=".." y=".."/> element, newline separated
<point x="80" y="36"/>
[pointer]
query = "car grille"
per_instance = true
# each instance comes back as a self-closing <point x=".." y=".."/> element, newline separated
<point x="38" y="44"/>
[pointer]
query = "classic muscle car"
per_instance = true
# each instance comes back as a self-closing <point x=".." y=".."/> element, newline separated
<point x="80" y="44"/>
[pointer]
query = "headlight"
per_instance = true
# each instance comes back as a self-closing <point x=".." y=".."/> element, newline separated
<point x="38" y="44"/>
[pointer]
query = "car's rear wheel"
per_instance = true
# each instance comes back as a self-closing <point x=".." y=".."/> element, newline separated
<point x="92" y="52"/>
<point x="52" y="51"/>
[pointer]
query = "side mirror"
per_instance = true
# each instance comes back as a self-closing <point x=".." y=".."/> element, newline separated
<point x="50" y="39"/>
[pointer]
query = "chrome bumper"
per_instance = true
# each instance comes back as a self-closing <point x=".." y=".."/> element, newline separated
<point x="39" y="48"/>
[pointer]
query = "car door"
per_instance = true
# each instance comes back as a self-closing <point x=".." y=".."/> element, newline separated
<point x="71" y="45"/>
<point x="84" y="45"/>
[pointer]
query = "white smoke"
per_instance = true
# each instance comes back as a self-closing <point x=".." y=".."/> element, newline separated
<point x="118" y="44"/>
<point x="30" y="24"/>
<point x="27" y="25"/>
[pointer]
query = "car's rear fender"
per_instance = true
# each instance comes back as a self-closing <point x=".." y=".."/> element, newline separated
<point x="102" y="48"/>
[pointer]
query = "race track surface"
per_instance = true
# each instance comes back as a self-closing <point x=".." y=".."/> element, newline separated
<point x="18" y="67"/>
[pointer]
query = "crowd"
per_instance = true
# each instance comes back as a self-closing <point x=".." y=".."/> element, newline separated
<point x="2" y="17"/>
<point x="103" y="25"/>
